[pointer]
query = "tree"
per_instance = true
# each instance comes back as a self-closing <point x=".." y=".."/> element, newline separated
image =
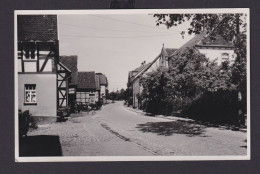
<point x="154" y="92"/>
<point x="231" y="27"/>
<point x="119" y="95"/>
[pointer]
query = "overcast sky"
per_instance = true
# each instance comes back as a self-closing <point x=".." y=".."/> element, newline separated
<point x="115" y="44"/>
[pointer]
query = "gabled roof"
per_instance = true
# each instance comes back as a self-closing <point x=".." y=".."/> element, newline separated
<point x="86" y="80"/>
<point x="204" y="39"/>
<point x="141" y="69"/>
<point x="191" y="43"/>
<point x="97" y="82"/>
<point x="37" y="27"/>
<point x="214" y="41"/>
<point x="65" y="68"/>
<point x="71" y="62"/>
<point x="170" y="51"/>
<point x="102" y="79"/>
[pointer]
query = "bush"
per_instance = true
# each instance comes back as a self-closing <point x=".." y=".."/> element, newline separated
<point x="217" y="107"/>
<point x="24" y="122"/>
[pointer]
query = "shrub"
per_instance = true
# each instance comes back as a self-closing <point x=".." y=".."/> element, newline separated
<point x="218" y="107"/>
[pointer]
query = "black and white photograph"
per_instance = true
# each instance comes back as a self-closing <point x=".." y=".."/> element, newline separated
<point x="132" y="85"/>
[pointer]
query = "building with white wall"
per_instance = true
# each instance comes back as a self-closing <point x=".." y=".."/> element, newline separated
<point x="215" y="48"/>
<point x="161" y="61"/>
<point x="42" y="79"/>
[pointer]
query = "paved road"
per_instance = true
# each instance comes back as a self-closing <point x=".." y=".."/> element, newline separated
<point x="117" y="130"/>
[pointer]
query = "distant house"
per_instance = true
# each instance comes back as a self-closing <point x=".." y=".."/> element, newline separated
<point x="86" y="92"/>
<point x="42" y="78"/>
<point x="215" y="48"/>
<point x="162" y="60"/>
<point x="84" y="87"/>
<point x="133" y="82"/>
<point x="103" y="83"/>
<point x="71" y="62"/>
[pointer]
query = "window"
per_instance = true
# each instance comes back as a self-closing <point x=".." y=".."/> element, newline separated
<point x="225" y="56"/>
<point x="29" y="54"/>
<point x="30" y="94"/>
<point x="71" y="90"/>
<point x="82" y="97"/>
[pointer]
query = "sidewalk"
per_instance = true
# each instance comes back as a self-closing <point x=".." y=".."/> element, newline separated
<point x="174" y="118"/>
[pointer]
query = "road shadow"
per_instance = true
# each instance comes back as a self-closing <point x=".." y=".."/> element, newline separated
<point x="41" y="145"/>
<point x="173" y="127"/>
<point x="220" y="126"/>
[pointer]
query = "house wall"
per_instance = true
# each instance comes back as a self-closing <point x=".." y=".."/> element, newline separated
<point x="87" y="96"/>
<point x="102" y="91"/>
<point x="46" y="95"/>
<point x="136" y="91"/>
<point x="31" y="65"/>
<point x="215" y="54"/>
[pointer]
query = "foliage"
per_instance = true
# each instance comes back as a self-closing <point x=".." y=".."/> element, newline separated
<point x="227" y="25"/>
<point x="214" y="106"/>
<point x="120" y="95"/>
<point x="225" y="78"/>
<point x="190" y="74"/>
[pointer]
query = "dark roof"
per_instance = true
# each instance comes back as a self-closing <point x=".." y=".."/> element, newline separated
<point x="37" y="27"/>
<point x="170" y="51"/>
<point x="97" y="82"/>
<point x="102" y="79"/>
<point x="214" y="41"/>
<point x="71" y="62"/>
<point x="86" y="80"/>
<point x="191" y="43"/>
<point x="141" y="70"/>
<point x="204" y="39"/>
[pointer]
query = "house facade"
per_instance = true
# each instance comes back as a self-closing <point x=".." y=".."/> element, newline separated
<point x="42" y="79"/>
<point x="103" y="84"/>
<point x="215" y="48"/>
<point x="133" y="83"/>
<point x="161" y="61"/>
<point x="86" y="92"/>
<point x="71" y="62"/>
<point x="84" y="87"/>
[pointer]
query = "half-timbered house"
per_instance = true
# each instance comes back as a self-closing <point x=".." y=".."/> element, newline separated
<point x="71" y="62"/>
<point x="103" y="83"/>
<point x="86" y="92"/>
<point x="42" y="78"/>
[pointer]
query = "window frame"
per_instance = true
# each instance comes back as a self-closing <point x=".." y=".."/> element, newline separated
<point x="224" y="57"/>
<point x="31" y="91"/>
<point x="30" y="55"/>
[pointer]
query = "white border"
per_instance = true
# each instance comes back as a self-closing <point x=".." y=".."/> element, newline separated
<point x="132" y="158"/>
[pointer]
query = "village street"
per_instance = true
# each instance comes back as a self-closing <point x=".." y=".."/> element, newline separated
<point x="119" y="130"/>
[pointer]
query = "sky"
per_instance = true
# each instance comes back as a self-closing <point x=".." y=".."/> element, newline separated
<point x="115" y="44"/>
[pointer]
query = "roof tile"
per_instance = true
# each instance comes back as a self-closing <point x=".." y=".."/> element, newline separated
<point x="71" y="62"/>
<point x="86" y="80"/>
<point x="37" y="27"/>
